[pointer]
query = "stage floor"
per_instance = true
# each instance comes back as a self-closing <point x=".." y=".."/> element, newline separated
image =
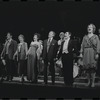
<point x="80" y="82"/>
<point x="16" y="89"/>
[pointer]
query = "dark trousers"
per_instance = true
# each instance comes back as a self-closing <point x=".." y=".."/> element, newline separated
<point x="67" y="61"/>
<point x="3" y="71"/>
<point x="52" y="70"/>
<point x="9" y="67"/>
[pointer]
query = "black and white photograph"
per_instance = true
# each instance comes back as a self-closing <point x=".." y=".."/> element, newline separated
<point x="50" y="50"/>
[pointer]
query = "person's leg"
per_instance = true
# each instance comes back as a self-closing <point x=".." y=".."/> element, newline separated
<point x="45" y="72"/>
<point x="7" y="67"/>
<point x="52" y="70"/>
<point x="70" y="70"/>
<point x="11" y="69"/>
<point x="22" y="69"/>
<point x="88" y="77"/>
<point x="93" y="77"/>
<point x="65" y="66"/>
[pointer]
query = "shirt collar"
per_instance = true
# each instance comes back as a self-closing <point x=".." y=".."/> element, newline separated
<point x="67" y="39"/>
<point x="9" y="40"/>
<point x="50" y="39"/>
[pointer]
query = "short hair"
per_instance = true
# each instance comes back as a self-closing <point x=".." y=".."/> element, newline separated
<point x="38" y="35"/>
<point x="53" y="32"/>
<point x="94" y="27"/>
<point x="9" y="33"/>
<point x="69" y="33"/>
<point x="61" y="33"/>
<point x="21" y="36"/>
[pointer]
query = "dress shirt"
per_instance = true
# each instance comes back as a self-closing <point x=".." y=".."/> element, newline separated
<point x="65" y="46"/>
<point x="49" y="40"/>
<point x="7" y="45"/>
<point x="48" y="43"/>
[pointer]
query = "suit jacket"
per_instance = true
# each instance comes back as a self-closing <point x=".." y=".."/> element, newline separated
<point x="11" y="50"/>
<point x="51" y="52"/>
<point x="23" y="51"/>
<point x="71" y="48"/>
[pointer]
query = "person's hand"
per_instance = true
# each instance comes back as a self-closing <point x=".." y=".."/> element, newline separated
<point x="13" y="57"/>
<point x="25" y="57"/>
<point x="81" y="55"/>
<point x="48" y="63"/>
<point x="55" y="59"/>
<point x="1" y="57"/>
<point x="43" y="61"/>
<point x="96" y="57"/>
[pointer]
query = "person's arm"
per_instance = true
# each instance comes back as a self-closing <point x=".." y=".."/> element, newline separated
<point x="15" y="54"/>
<point x="15" y="46"/>
<point x="60" y="51"/>
<point x="98" y="45"/>
<point x="3" y="51"/>
<point x="56" y="50"/>
<point x="82" y="48"/>
<point x="28" y="49"/>
<point x="98" y="48"/>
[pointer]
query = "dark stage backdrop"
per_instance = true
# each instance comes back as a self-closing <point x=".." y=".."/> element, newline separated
<point x="30" y="17"/>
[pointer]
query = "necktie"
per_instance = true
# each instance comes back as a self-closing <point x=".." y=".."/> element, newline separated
<point x="48" y="44"/>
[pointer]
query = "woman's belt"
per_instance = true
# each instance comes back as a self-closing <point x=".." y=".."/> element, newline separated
<point x="88" y="47"/>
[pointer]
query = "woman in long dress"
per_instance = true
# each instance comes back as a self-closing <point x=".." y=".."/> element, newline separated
<point x="33" y="55"/>
<point x="90" y="49"/>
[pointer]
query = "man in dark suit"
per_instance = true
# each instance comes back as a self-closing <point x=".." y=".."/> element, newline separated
<point x="49" y="54"/>
<point x="66" y="51"/>
<point x="7" y="55"/>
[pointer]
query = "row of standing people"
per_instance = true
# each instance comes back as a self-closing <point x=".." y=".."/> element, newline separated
<point x="90" y="49"/>
<point x="48" y="52"/>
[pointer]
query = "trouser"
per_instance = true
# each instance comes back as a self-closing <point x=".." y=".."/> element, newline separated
<point x="9" y="67"/>
<point x="67" y="61"/>
<point x="52" y="70"/>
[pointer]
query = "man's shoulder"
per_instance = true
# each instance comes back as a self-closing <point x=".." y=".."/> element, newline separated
<point x="14" y="41"/>
<point x="55" y="40"/>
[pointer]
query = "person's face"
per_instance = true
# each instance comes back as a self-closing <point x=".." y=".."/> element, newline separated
<point x="99" y="31"/>
<point x="90" y="29"/>
<point x="67" y="35"/>
<point x="35" y="38"/>
<point x="21" y="39"/>
<point x="9" y="36"/>
<point x="62" y="36"/>
<point x="51" y="35"/>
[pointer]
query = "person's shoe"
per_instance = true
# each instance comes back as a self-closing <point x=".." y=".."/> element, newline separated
<point x="45" y="83"/>
<point x="2" y="79"/>
<point x="92" y="85"/>
<point x="11" y="78"/>
<point x="22" y="79"/>
<point x="7" y="79"/>
<point x="53" y="83"/>
<point x="34" y="82"/>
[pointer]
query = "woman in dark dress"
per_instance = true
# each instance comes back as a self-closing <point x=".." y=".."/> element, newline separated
<point x="21" y="56"/>
<point x="33" y="56"/>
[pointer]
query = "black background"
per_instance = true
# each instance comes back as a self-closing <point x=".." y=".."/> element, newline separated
<point x="29" y="17"/>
